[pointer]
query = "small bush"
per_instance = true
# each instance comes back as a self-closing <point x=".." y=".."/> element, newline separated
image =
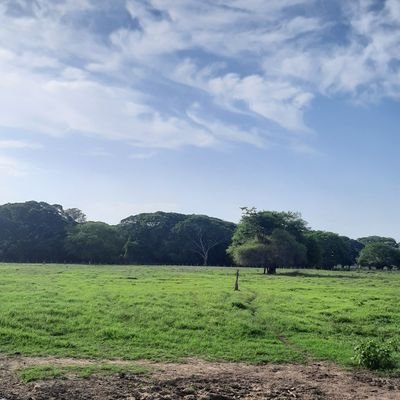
<point x="375" y="355"/>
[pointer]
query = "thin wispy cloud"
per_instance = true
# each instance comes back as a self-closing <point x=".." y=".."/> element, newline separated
<point x="12" y="167"/>
<point x="135" y="71"/>
<point x="18" y="144"/>
<point x="143" y="156"/>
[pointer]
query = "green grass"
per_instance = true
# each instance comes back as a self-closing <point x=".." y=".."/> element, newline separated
<point x="169" y="313"/>
<point x="47" y="372"/>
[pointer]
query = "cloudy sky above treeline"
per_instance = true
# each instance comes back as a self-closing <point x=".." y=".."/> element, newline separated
<point x="202" y="106"/>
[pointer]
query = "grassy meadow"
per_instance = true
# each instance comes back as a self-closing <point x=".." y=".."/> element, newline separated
<point x="169" y="313"/>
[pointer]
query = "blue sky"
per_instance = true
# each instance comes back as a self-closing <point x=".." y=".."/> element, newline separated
<point x="202" y="106"/>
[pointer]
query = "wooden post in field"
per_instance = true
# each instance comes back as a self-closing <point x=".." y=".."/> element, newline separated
<point x="237" y="280"/>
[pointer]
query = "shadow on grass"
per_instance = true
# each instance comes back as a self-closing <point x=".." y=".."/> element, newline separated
<point x="330" y="276"/>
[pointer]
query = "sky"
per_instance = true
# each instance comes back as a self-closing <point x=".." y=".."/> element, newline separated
<point x="203" y="106"/>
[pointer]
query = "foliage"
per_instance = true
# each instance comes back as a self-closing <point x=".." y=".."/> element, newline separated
<point x="251" y="253"/>
<point x="76" y="214"/>
<point x="286" y="250"/>
<point x="172" y="238"/>
<point x="379" y="255"/>
<point x="259" y="224"/>
<point x="378" y="239"/>
<point x="333" y="249"/>
<point x="147" y="237"/>
<point x="279" y="249"/>
<point x="40" y="232"/>
<point x="375" y="354"/>
<point x="93" y="242"/>
<point x="201" y="235"/>
<point x="269" y="239"/>
<point x="354" y="248"/>
<point x="33" y="232"/>
<point x="314" y="251"/>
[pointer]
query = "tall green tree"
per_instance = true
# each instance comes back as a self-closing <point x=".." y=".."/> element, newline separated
<point x="33" y="232"/>
<point x="269" y="239"/>
<point x="379" y="255"/>
<point x="202" y="235"/>
<point x="378" y="239"/>
<point x="334" y="249"/>
<point x="148" y="237"/>
<point x="173" y="238"/>
<point x="94" y="242"/>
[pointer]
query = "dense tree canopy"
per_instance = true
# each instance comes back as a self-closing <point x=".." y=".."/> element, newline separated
<point x="76" y="214"/>
<point x="94" y="242"/>
<point x="172" y="238"/>
<point x="41" y="232"/>
<point x="202" y="237"/>
<point x="147" y="237"/>
<point x="33" y="232"/>
<point x="270" y="240"/>
<point x="333" y="249"/>
<point x="379" y="255"/>
<point x="378" y="239"/>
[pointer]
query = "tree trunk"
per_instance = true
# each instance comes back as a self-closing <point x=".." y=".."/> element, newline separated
<point x="205" y="259"/>
<point x="237" y="280"/>
<point x="265" y="270"/>
<point x="271" y="270"/>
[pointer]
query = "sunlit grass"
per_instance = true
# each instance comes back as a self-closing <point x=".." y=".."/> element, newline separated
<point x="169" y="313"/>
<point x="47" y="372"/>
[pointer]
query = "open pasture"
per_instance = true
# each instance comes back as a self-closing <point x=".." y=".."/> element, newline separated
<point x="170" y="313"/>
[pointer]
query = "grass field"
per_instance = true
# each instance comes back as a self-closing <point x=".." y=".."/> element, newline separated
<point x="168" y="313"/>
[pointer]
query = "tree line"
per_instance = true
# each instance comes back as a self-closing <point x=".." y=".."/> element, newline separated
<point x="271" y="239"/>
<point x="40" y="232"/>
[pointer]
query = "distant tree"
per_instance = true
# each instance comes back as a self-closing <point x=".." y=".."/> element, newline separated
<point x="173" y="238"/>
<point x="334" y="249"/>
<point x="314" y="253"/>
<point x="378" y="239"/>
<point x="33" y="232"/>
<point x="269" y="239"/>
<point x="76" y="215"/>
<point x="287" y="250"/>
<point x="354" y="248"/>
<point x="201" y="234"/>
<point x="94" y="242"/>
<point x="379" y="255"/>
<point x="280" y="249"/>
<point x="252" y="253"/>
<point x="147" y="237"/>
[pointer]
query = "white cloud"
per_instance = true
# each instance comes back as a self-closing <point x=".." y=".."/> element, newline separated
<point x="280" y="102"/>
<point x="277" y="101"/>
<point x="226" y="132"/>
<point x="264" y="60"/>
<point x="60" y="106"/>
<point x="365" y="66"/>
<point x="18" y="144"/>
<point x="143" y="156"/>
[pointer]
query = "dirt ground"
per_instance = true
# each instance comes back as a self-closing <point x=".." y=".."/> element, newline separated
<point x="199" y="380"/>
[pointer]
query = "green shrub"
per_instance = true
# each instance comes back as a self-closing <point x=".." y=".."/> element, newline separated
<point x="374" y="354"/>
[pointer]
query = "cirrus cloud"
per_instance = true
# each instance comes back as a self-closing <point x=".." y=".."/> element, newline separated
<point x="135" y="71"/>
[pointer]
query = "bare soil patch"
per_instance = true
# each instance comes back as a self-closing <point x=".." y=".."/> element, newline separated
<point x="198" y="380"/>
